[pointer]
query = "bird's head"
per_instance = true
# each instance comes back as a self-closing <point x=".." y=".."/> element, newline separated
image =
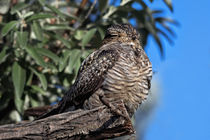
<point x="122" y="33"/>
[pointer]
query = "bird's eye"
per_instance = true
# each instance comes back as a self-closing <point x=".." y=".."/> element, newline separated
<point x="110" y="35"/>
<point x="133" y="38"/>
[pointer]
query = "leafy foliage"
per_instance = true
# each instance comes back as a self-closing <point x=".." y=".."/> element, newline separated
<point x="42" y="44"/>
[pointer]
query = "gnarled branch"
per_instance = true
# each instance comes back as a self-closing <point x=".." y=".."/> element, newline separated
<point x="98" y="123"/>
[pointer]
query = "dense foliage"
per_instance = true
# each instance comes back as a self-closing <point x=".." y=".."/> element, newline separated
<point x="43" y="42"/>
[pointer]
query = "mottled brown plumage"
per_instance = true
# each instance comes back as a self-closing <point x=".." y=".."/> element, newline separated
<point x="118" y="70"/>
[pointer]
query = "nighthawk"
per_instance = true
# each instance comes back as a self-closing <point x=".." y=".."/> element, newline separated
<point x="118" y="70"/>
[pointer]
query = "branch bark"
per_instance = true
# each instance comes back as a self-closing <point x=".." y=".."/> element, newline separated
<point x="98" y="123"/>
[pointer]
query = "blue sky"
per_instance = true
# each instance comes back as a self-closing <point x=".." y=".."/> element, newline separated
<point x="183" y="112"/>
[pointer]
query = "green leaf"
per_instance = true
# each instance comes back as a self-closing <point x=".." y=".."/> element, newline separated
<point x="59" y="13"/>
<point x="79" y="34"/>
<point x="74" y="60"/>
<point x="32" y="52"/>
<point x="111" y="11"/>
<point x="8" y="27"/>
<point x="77" y="65"/>
<point x="163" y="19"/>
<point x="42" y="2"/>
<point x="63" y="60"/>
<point x="19" y="104"/>
<point x="37" y="30"/>
<point x="34" y="102"/>
<point x="3" y="54"/>
<point x="22" y="39"/>
<point x="18" y="78"/>
<point x="38" y="89"/>
<point x="55" y="10"/>
<point x="157" y="11"/>
<point x="64" y="41"/>
<point x="51" y="68"/>
<point x="86" y="53"/>
<point x="48" y="53"/>
<point x="52" y="27"/>
<point x="19" y="6"/>
<point x="28" y="14"/>
<point x="88" y="36"/>
<point x="169" y="29"/>
<point x="41" y="77"/>
<point x="165" y="35"/>
<point x="39" y="16"/>
<point x="101" y="32"/>
<point x="103" y="4"/>
<point x="124" y="2"/>
<point x="169" y="4"/>
<point x="30" y="78"/>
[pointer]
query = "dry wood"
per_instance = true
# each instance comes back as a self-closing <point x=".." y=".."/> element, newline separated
<point x="98" y="123"/>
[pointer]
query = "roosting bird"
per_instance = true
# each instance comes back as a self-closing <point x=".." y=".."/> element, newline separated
<point x="118" y="70"/>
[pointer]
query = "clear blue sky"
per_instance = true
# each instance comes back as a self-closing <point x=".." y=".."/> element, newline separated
<point x="183" y="112"/>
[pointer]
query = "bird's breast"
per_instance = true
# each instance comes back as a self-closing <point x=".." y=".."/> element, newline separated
<point x="128" y="80"/>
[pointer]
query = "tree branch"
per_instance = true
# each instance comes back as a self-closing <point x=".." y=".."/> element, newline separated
<point x="98" y="123"/>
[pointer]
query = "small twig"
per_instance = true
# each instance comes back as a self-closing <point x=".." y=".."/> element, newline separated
<point x="90" y="10"/>
<point x="88" y="14"/>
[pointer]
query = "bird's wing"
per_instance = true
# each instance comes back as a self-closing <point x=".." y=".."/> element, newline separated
<point x="89" y="79"/>
<point x="91" y="74"/>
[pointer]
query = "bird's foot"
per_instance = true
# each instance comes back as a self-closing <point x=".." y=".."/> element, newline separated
<point x="114" y="109"/>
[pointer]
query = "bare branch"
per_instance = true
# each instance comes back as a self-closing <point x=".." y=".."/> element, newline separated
<point x="88" y="14"/>
<point x="94" y="124"/>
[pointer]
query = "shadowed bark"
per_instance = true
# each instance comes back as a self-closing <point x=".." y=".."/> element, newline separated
<point x="98" y="123"/>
